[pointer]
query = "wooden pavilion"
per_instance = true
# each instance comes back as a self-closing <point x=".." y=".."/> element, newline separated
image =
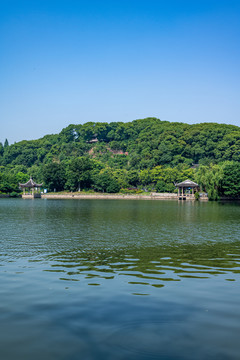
<point x="187" y="190"/>
<point x="31" y="189"/>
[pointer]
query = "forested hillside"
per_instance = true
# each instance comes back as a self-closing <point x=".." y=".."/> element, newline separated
<point x="147" y="154"/>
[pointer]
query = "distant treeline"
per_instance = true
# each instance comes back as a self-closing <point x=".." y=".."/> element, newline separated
<point x="146" y="154"/>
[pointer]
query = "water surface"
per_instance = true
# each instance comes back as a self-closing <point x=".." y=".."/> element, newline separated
<point x="119" y="279"/>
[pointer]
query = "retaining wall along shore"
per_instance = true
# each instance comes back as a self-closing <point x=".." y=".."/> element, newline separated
<point x="153" y="196"/>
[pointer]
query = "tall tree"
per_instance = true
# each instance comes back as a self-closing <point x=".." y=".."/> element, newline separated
<point x="1" y="149"/>
<point x="231" y="179"/>
<point x="210" y="180"/>
<point x="6" y="144"/>
<point x="54" y="176"/>
<point x="79" y="174"/>
<point x="105" y="182"/>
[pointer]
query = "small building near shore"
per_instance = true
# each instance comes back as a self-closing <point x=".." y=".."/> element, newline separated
<point x="31" y="189"/>
<point x="187" y="190"/>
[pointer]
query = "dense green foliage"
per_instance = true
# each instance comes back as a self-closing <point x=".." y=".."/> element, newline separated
<point x="149" y="154"/>
<point x="230" y="185"/>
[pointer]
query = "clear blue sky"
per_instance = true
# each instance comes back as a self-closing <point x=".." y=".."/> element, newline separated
<point x="66" y="61"/>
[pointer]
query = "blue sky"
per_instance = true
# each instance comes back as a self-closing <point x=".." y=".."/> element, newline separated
<point x="64" y="62"/>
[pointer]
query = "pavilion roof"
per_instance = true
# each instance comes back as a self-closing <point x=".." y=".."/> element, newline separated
<point x="30" y="184"/>
<point x="187" y="183"/>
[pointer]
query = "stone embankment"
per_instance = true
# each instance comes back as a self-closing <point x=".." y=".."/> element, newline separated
<point x="153" y="196"/>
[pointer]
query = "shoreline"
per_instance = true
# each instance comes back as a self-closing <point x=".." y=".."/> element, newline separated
<point x="113" y="196"/>
<point x="107" y="196"/>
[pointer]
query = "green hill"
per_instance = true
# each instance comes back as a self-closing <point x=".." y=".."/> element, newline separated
<point x="135" y="149"/>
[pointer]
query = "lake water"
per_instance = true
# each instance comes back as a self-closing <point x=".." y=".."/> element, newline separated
<point x="119" y="279"/>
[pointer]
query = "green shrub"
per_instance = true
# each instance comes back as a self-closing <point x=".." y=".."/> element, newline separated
<point x="197" y="195"/>
<point x="14" y="194"/>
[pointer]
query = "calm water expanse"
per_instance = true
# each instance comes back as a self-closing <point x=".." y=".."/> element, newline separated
<point x="119" y="279"/>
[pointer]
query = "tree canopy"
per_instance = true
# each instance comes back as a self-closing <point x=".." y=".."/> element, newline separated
<point x="147" y="153"/>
